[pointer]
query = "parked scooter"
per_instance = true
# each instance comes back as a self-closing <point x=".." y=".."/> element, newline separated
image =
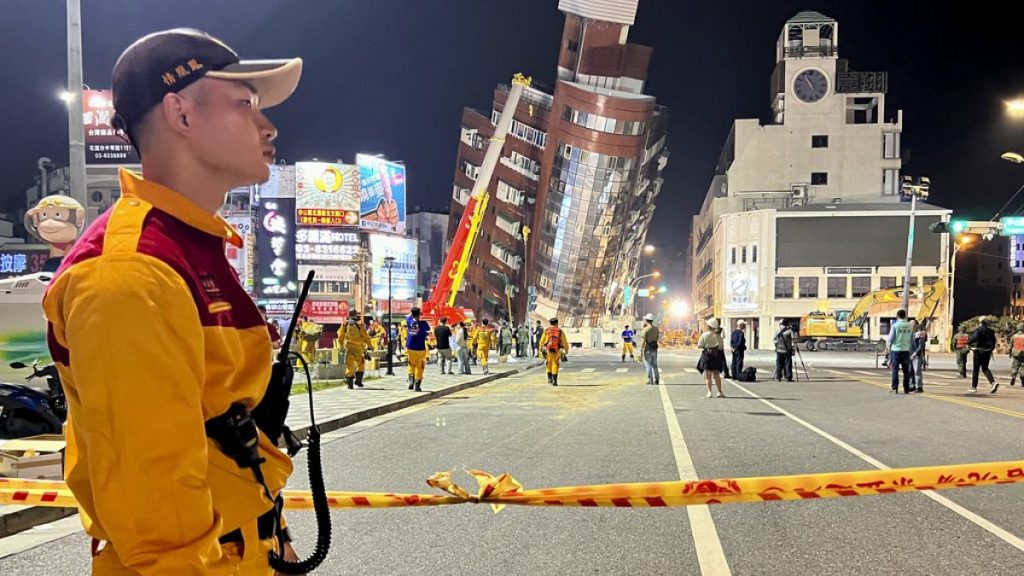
<point x="30" y="411"/>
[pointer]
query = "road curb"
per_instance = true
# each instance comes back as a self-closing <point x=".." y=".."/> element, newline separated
<point x="349" y="419"/>
<point x="29" y="517"/>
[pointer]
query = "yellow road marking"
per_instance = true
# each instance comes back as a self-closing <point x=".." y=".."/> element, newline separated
<point x="1003" y="411"/>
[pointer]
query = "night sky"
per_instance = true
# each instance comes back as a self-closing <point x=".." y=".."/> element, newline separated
<point x="392" y="77"/>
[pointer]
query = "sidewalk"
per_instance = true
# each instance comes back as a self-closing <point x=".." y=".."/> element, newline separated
<point x="334" y="408"/>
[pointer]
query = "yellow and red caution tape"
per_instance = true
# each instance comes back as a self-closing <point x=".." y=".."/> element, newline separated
<point x="499" y="491"/>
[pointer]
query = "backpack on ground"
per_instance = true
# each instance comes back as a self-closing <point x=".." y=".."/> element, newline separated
<point x="748" y="374"/>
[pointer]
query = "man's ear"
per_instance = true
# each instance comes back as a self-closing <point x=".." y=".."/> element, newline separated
<point x="175" y="111"/>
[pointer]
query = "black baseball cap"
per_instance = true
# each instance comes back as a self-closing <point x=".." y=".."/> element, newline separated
<point x="165" y="62"/>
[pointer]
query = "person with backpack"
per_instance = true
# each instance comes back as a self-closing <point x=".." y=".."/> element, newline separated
<point x="784" y="352"/>
<point x="649" y="336"/>
<point x="554" y="344"/>
<point x="961" y="349"/>
<point x="1017" y="354"/>
<point x="983" y="342"/>
<point x="712" y="356"/>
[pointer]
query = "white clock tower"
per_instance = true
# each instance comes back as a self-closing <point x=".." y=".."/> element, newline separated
<point x="806" y="56"/>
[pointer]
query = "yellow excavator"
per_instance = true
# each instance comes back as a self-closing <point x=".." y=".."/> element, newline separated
<point x="843" y="329"/>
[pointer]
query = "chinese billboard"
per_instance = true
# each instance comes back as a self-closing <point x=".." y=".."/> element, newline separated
<point x="241" y="259"/>
<point x="104" y="144"/>
<point x="325" y="245"/>
<point x="326" y="311"/>
<point x="403" y="269"/>
<point x="275" y="249"/>
<point x="326" y="194"/>
<point x="381" y="194"/>
<point x="18" y="262"/>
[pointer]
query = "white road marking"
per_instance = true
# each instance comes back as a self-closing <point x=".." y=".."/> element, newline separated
<point x="621" y="370"/>
<point x="995" y="530"/>
<point x="587" y="370"/>
<point x="871" y="373"/>
<point x="940" y="375"/>
<point x="705" y="537"/>
<point x="690" y="370"/>
<point x="40" y="535"/>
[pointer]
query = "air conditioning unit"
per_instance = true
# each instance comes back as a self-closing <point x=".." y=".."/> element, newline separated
<point x="798" y="190"/>
<point x="798" y="201"/>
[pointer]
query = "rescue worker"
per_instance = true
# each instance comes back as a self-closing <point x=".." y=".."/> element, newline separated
<point x="554" y="344"/>
<point x="1017" y="354"/>
<point x="309" y="338"/>
<point x="961" y="349"/>
<point x="416" y="347"/>
<point x="155" y="493"/>
<point x="354" y="341"/>
<point x="627" y="344"/>
<point x="484" y="340"/>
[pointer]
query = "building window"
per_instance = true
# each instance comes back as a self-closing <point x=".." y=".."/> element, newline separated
<point x="808" y="287"/>
<point x="887" y="282"/>
<point x="836" y="287"/>
<point x="890" y="145"/>
<point x="602" y="123"/>
<point x="890" y="182"/>
<point x="753" y="254"/>
<point x="819" y="141"/>
<point x="733" y="260"/>
<point x="783" y="287"/>
<point x="930" y="280"/>
<point x="861" y="286"/>
<point x="913" y="281"/>
<point x="819" y="178"/>
<point x="743" y="255"/>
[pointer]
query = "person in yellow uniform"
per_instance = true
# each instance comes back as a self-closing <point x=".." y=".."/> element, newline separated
<point x="474" y="330"/>
<point x="355" y="341"/>
<point x="484" y="341"/>
<point x="155" y="492"/>
<point x="554" y="344"/>
<point x="309" y="338"/>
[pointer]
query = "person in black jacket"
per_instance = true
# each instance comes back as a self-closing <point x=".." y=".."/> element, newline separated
<point x="983" y="342"/>
<point x="738" y="342"/>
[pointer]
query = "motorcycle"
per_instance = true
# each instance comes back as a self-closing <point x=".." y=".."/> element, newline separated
<point x="30" y="411"/>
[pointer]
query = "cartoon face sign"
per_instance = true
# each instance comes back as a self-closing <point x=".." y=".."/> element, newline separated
<point x="56" y="219"/>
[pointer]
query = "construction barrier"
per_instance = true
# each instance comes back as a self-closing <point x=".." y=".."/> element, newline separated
<point x="499" y="491"/>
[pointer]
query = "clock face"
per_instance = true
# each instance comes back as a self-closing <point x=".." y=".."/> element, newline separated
<point x="810" y="85"/>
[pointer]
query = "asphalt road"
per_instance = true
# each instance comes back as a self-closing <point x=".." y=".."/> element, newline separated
<point x="601" y="425"/>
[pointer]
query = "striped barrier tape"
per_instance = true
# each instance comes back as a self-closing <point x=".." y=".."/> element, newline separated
<point x="499" y="491"/>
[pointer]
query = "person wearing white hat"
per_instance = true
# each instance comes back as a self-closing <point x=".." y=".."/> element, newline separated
<point x="712" y="357"/>
<point x="649" y="336"/>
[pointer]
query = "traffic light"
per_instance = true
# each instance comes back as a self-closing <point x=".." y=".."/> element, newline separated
<point x="951" y="227"/>
<point x="531" y="298"/>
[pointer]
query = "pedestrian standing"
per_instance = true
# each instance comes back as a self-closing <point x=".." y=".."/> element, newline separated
<point x="983" y="342"/>
<point x="464" y="343"/>
<point x="627" y="343"/>
<point x="725" y="365"/>
<point x="1017" y="354"/>
<point x="355" y="341"/>
<point x="416" y="348"/>
<point x="919" y="359"/>
<point x="738" y="342"/>
<point x="538" y="331"/>
<point x="899" y="343"/>
<point x="504" y="341"/>
<point x="961" y="349"/>
<point x="784" y="352"/>
<point x="522" y="341"/>
<point x="712" y="356"/>
<point x="443" y="335"/>
<point x="554" y="344"/>
<point x="649" y="336"/>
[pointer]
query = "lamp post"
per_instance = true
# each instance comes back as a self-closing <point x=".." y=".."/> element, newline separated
<point x="388" y="262"/>
<point x="636" y="281"/>
<point x="962" y="242"/>
<point x="920" y="189"/>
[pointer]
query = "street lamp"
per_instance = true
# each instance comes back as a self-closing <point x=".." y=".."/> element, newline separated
<point x="679" y="309"/>
<point x="636" y="281"/>
<point x="915" y="191"/>
<point x="389" y="262"/>
<point x="649" y="249"/>
<point x="958" y="244"/>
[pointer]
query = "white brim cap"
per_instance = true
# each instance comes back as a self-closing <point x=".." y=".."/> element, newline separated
<point x="273" y="80"/>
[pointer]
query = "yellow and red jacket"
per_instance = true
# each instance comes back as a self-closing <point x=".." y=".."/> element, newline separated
<point x="146" y="477"/>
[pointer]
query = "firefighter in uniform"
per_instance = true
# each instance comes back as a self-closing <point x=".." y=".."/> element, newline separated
<point x="1017" y="354"/>
<point x="355" y="341"/>
<point x="554" y="344"/>
<point x="961" y="349"/>
<point x="155" y="492"/>
<point x="484" y="339"/>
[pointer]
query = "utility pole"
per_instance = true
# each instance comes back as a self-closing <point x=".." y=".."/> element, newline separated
<point x="921" y="188"/>
<point x="76" y="123"/>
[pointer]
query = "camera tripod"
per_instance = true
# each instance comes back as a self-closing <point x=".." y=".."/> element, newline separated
<point x="796" y="372"/>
